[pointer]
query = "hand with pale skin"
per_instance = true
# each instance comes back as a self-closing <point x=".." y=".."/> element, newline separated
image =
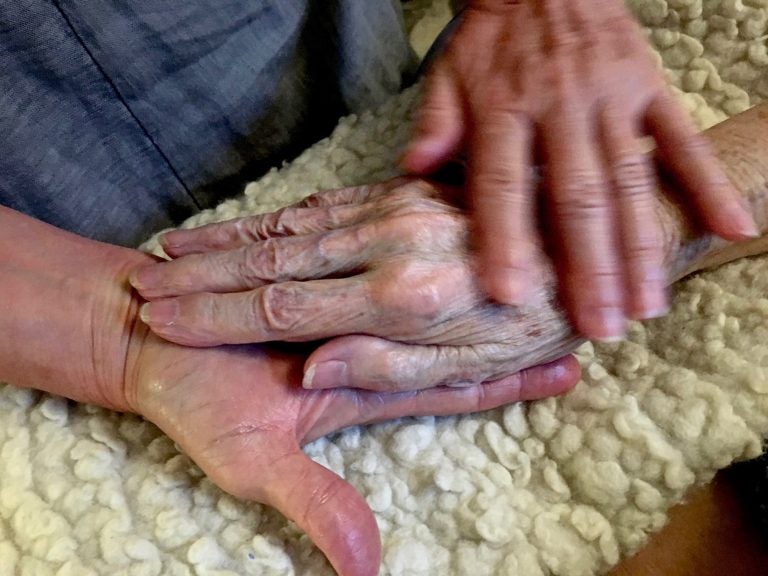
<point x="70" y="327"/>
<point x="386" y="267"/>
<point x="570" y="85"/>
<point x="241" y="414"/>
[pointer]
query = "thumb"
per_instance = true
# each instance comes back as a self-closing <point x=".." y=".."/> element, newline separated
<point x="382" y="365"/>
<point x="439" y="126"/>
<point x="333" y="514"/>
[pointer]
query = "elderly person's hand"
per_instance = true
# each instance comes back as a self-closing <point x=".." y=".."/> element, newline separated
<point x="569" y="84"/>
<point x="240" y="413"/>
<point x="70" y="326"/>
<point x="387" y="261"/>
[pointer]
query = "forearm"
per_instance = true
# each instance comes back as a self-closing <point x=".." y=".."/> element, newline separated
<point x="66" y="311"/>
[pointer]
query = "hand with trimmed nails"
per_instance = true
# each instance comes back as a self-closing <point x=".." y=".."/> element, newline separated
<point x="240" y="413"/>
<point x="569" y="84"/>
<point x="386" y="267"/>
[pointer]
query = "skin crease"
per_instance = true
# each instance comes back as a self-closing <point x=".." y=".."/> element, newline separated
<point x="245" y="431"/>
<point x="69" y="326"/>
<point x="569" y="84"/>
<point x="407" y="277"/>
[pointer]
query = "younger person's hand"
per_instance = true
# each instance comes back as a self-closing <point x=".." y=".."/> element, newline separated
<point x="570" y="85"/>
<point x="240" y="413"/>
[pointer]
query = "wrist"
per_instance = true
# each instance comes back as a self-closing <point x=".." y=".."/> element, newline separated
<point x="68" y="312"/>
<point x="123" y="335"/>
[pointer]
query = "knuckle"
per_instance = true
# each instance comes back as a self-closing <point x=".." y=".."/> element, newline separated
<point x="264" y="261"/>
<point x="397" y="374"/>
<point x="422" y="188"/>
<point x="255" y="229"/>
<point x="645" y="254"/>
<point x="695" y="144"/>
<point x="278" y="307"/>
<point x="426" y="232"/>
<point x="504" y="183"/>
<point x="325" y="497"/>
<point x="582" y="196"/>
<point x="282" y="222"/>
<point x="410" y="296"/>
<point x="634" y="178"/>
<point x="480" y="397"/>
<point x="434" y="108"/>
<point x="411" y="198"/>
<point x="604" y="284"/>
<point x="497" y="96"/>
<point x="566" y="39"/>
<point x="647" y="249"/>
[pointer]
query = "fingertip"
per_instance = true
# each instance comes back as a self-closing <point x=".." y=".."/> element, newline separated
<point x="735" y="222"/>
<point x="332" y="513"/>
<point x="134" y="280"/>
<point x="425" y="155"/>
<point x="326" y="375"/>
<point x="159" y="313"/>
<point x="648" y="304"/>
<point x="170" y="242"/>
<point x="510" y="287"/>
<point x="566" y="372"/>
<point x="145" y="279"/>
<point x="551" y="379"/>
<point x="167" y="319"/>
<point x="606" y="324"/>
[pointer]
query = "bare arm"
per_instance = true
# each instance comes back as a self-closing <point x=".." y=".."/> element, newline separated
<point x="67" y="311"/>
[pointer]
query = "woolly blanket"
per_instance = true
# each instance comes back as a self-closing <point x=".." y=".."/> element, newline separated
<point x="564" y="486"/>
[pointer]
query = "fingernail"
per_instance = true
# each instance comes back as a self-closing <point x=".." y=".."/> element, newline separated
<point x="510" y="287"/>
<point x="749" y="229"/>
<point x="652" y="304"/>
<point x="741" y="213"/>
<point x="167" y="240"/>
<point x="611" y="325"/>
<point x="145" y="277"/>
<point x="323" y="375"/>
<point x="555" y="372"/>
<point x="162" y="313"/>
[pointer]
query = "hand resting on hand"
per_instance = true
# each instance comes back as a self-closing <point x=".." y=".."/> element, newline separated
<point x="388" y="264"/>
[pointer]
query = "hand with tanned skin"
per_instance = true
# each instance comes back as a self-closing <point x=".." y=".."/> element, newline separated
<point x="569" y="85"/>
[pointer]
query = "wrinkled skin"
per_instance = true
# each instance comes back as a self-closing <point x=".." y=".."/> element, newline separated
<point x="70" y="326"/>
<point x="569" y="84"/>
<point x="241" y="415"/>
<point x="387" y="264"/>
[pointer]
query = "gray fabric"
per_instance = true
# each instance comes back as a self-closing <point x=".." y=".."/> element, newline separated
<point x="122" y="117"/>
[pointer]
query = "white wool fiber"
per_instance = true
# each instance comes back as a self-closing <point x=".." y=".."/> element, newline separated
<point x="565" y="486"/>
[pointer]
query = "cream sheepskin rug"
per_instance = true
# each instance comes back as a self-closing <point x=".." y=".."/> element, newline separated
<point x="564" y="486"/>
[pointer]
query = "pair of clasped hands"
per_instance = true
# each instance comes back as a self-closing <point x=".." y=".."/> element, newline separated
<point x="412" y="320"/>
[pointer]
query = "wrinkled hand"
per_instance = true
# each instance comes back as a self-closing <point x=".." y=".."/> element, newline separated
<point x="241" y="415"/>
<point x="572" y="83"/>
<point x="387" y="261"/>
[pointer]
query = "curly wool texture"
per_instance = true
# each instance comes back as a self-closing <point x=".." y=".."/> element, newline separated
<point x="564" y="486"/>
